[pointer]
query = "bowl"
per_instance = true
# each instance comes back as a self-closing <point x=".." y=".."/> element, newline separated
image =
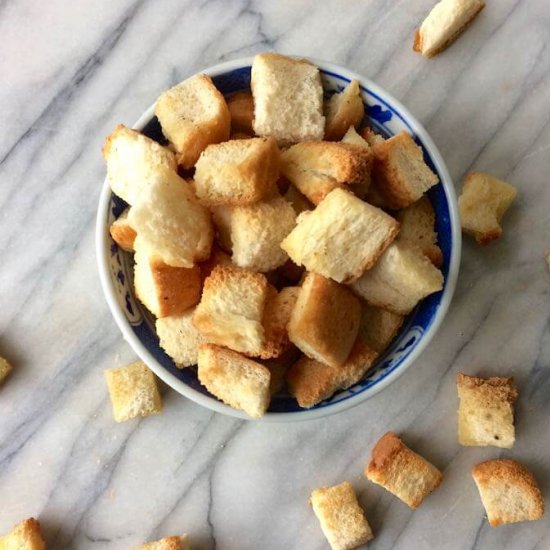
<point x="387" y="116"/>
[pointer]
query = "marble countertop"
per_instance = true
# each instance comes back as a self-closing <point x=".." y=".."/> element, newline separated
<point x="70" y="72"/>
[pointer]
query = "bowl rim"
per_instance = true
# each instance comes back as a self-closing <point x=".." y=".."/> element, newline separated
<point x="102" y="254"/>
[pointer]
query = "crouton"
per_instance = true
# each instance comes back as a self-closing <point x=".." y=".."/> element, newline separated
<point x="231" y="309"/>
<point x="417" y="228"/>
<point x="318" y="167"/>
<point x="378" y="327"/>
<point x="486" y="411"/>
<point x="371" y="137"/>
<point x="399" y="280"/>
<point x="241" y="108"/>
<point x="351" y="136"/>
<point x="123" y="233"/>
<point x="193" y="114"/>
<point x="288" y="98"/>
<point x="342" y="520"/>
<point x="5" y="369"/>
<point x="509" y="492"/>
<point x="217" y="257"/>
<point x="344" y="110"/>
<point x="173" y="226"/>
<point x="341" y="238"/>
<point x="255" y="232"/>
<point x="483" y="202"/>
<point x="163" y="289"/>
<point x="133" y="391"/>
<point x="167" y="543"/>
<point x="325" y="320"/>
<point x="179" y="338"/>
<point x="277" y="312"/>
<point x="311" y="382"/>
<point x="132" y="159"/>
<point x="399" y="172"/>
<point x="298" y="201"/>
<point x="237" y="172"/>
<point x="444" y="24"/>
<point x="401" y="471"/>
<point x="26" y="535"/>
<point x="238" y="381"/>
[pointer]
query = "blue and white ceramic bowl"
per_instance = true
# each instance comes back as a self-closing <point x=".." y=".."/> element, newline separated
<point x="388" y="117"/>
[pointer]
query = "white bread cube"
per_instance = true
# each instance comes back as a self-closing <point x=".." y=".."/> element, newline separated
<point x="5" y="369"/>
<point x="193" y="114"/>
<point x="344" y="110"/>
<point x="241" y="107"/>
<point x="171" y="223"/>
<point x="401" y="471"/>
<point x="237" y="172"/>
<point x="399" y="172"/>
<point x="26" y="535"/>
<point x="238" y="381"/>
<point x="325" y="320"/>
<point x="133" y="391"/>
<point x="486" y="411"/>
<point x="179" y="338"/>
<point x="482" y="204"/>
<point x="231" y="309"/>
<point x="311" y="382"/>
<point x="163" y="289"/>
<point x="288" y="98"/>
<point x="318" y="167"/>
<point x="167" y="543"/>
<point x="417" y="228"/>
<point x="509" y="492"/>
<point x="444" y="24"/>
<point x="341" y="238"/>
<point x="342" y="520"/>
<point x="399" y="280"/>
<point x="378" y="326"/>
<point x="131" y="159"/>
<point x="255" y="232"/>
<point x="123" y="233"/>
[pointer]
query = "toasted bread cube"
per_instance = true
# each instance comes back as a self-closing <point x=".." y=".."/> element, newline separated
<point x="344" y="110"/>
<point x="165" y="290"/>
<point x="132" y="159"/>
<point x="342" y="520"/>
<point x="483" y="202"/>
<point x="351" y="136"/>
<point x="237" y="172"/>
<point x="231" y="309"/>
<point x="238" y="381"/>
<point x="311" y="382"/>
<point x="401" y="471"/>
<point x="378" y="326"/>
<point x="133" y="391"/>
<point x="217" y="257"/>
<point x="360" y="189"/>
<point x="123" y="233"/>
<point x="167" y="543"/>
<point x="325" y="320"/>
<point x="5" y="369"/>
<point x="26" y="535"/>
<point x="399" y="280"/>
<point x="277" y="312"/>
<point x="486" y="411"/>
<point x="255" y="232"/>
<point x="288" y="98"/>
<point x="509" y="492"/>
<point x="417" y="228"/>
<point x="400" y="174"/>
<point x="179" y="338"/>
<point x="170" y="222"/>
<point x="318" y="167"/>
<point x="444" y="24"/>
<point x="371" y="137"/>
<point x="341" y="238"/>
<point x="241" y="107"/>
<point x="193" y="114"/>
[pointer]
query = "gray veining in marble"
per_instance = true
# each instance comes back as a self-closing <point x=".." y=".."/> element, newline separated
<point x="70" y="72"/>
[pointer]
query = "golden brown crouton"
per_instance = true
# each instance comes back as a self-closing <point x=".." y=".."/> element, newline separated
<point x="5" y="369"/>
<point x="371" y="137"/>
<point x="378" y="326"/>
<point x="123" y="233"/>
<point x="167" y="543"/>
<point x="24" y="536"/>
<point x="241" y="107"/>
<point x="401" y="471"/>
<point x="344" y="110"/>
